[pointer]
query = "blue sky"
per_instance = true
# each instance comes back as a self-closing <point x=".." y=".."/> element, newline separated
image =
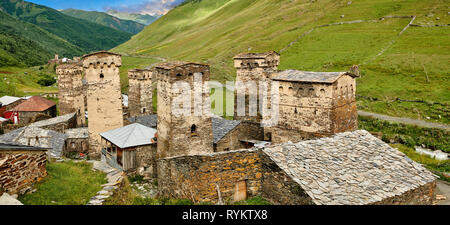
<point x="133" y="6"/>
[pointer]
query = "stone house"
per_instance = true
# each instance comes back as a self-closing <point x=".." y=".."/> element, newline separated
<point x="30" y="110"/>
<point x="7" y="103"/>
<point x="350" y="168"/>
<point x="77" y="142"/>
<point x="314" y="104"/>
<point x="20" y="167"/>
<point x="104" y="98"/>
<point x="131" y="148"/>
<point x="140" y="91"/>
<point x="70" y="91"/>
<point x="178" y="133"/>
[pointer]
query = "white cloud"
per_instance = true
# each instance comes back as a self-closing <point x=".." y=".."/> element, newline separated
<point x="151" y="7"/>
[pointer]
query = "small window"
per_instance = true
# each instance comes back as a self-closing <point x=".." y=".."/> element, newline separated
<point x="194" y="130"/>
<point x="102" y="76"/>
<point x="143" y="110"/>
<point x="179" y="75"/>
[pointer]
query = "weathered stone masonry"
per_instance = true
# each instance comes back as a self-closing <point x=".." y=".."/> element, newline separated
<point x="104" y="98"/>
<point x="20" y="169"/>
<point x="140" y="92"/>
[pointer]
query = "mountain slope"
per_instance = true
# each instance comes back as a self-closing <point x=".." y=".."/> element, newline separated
<point x="411" y="65"/>
<point x="139" y="18"/>
<point x="106" y="20"/>
<point x="23" y="43"/>
<point x="84" y="34"/>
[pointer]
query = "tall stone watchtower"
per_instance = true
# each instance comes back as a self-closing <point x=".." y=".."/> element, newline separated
<point x="254" y="67"/>
<point x="71" y="95"/>
<point x="104" y="97"/>
<point x="183" y="134"/>
<point x="140" y="92"/>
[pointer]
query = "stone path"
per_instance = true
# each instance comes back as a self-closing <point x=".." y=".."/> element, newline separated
<point x="443" y="188"/>
<point x="405" y="120"/>
<point x="114" y="177"/>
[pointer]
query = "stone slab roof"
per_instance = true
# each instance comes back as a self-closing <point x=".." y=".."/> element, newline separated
<point x="222" y="127"/>
<point x="352" y="168"/>
<point x="255" y="55"/>
<point x="306" y="76"/>
<point x="175" y="64"/>
<point x="147" y="120"/>
<point x="15" y="147"/>
<point x="34" y="104"/>
<point x="77" y="133"/>
<point x="129" y="136"/>
<point x="46" y="139"/>
<point x="54" y="120"/>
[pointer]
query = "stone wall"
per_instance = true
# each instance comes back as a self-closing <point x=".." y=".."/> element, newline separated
<point x="140" y="92"/>
<point x="146" y="161"/>
<point x="26" y="118"/>
<point x="70" y="91"/>
<point x="74" y="146"/>
<point x="423" y="195"/>
<point x="244" y="131"/>
<point x="19" y="170"/>
<point x="104" y="97"/>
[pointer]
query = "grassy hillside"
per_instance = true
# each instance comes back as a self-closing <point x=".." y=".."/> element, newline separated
<point x="84" y="34"/>
<point x="140" y="18"/>
<point x="25" y="44"/>
<point x="106" y="20"/>
<point x="411" y="66"/>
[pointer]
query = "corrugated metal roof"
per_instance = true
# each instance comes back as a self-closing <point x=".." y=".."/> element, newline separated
<point x="130" y="136"/>
<point x="6" y="100"/>
<point x="34" y="104"/>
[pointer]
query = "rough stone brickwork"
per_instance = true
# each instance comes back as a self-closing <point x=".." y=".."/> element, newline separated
<point x="140" y="91"/>
<point x="178" y="134"/>
<point x="77" y="142"/>
<point x="254" y="67"/>
<point x="104" y="98"/>
<point x="70" y="94"/>
<point x="146" y="161"/>
<point x="314" y="104"/>
<point x="19" y="170"/>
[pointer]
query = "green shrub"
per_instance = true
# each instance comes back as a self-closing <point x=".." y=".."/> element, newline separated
<point x="46" y="80"/>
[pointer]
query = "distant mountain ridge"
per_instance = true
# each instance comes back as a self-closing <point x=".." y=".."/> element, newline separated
<point x="140" y="18"/>
<point x="81" y="36"/>
<point x="105" y="19"/>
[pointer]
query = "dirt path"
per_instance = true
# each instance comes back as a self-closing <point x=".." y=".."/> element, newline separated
<point x="443" y="188"/>
<point x="404" y="120"/>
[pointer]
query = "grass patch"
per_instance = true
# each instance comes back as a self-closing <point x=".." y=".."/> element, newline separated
<point x="408" y="135"/>
<point x="258" y="200"/>
<point x="436" y="166"/>
<point x="67" y="183"/>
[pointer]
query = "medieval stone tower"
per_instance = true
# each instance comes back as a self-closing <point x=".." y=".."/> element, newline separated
<point x="71" y="96"/>
<point x="140" y="91"/>
<point x="104" y="98"/>
<point x="183" y="134"/>
<point x="253" y="67"/>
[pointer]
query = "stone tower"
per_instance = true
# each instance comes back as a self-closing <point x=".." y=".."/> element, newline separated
<point x="186" y="134"/>
<point x="254" y="67"/>
<point x="104" y="97"/>
<point x="140" y="92"/>
<point x="70" y="94"/>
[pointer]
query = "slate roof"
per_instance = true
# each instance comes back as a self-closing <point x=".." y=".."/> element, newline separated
<point x="352" y="168"/>
<point x="146" y="120"/>
<point x="130" y="136"/>
<point x="254" y="55"/>
<point x="77" y="133"/>
<point x="220" y="126"/>
<point x="306" y="76"/>
<point x="174" y="64"/>
<point x="53" y="121"/>
<point x="34" y="104"/>
<point x="6" y="100"/>
<point x="13" y="147"/>
<point x="47" y="139"/>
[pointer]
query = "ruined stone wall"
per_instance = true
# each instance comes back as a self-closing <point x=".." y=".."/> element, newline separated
<point x="178" y="134"/>
<point x="197" y="178"/>
<point x="140" y="91"/>
<point x="146" y="161"/>
<point x="423" y="195"/>
<point x="71" y="93"/>
<point x="19" y="170"/>
<point x="74" y="146"/>
<point x="344" y="116"/>
<point x="104" y="97"/>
